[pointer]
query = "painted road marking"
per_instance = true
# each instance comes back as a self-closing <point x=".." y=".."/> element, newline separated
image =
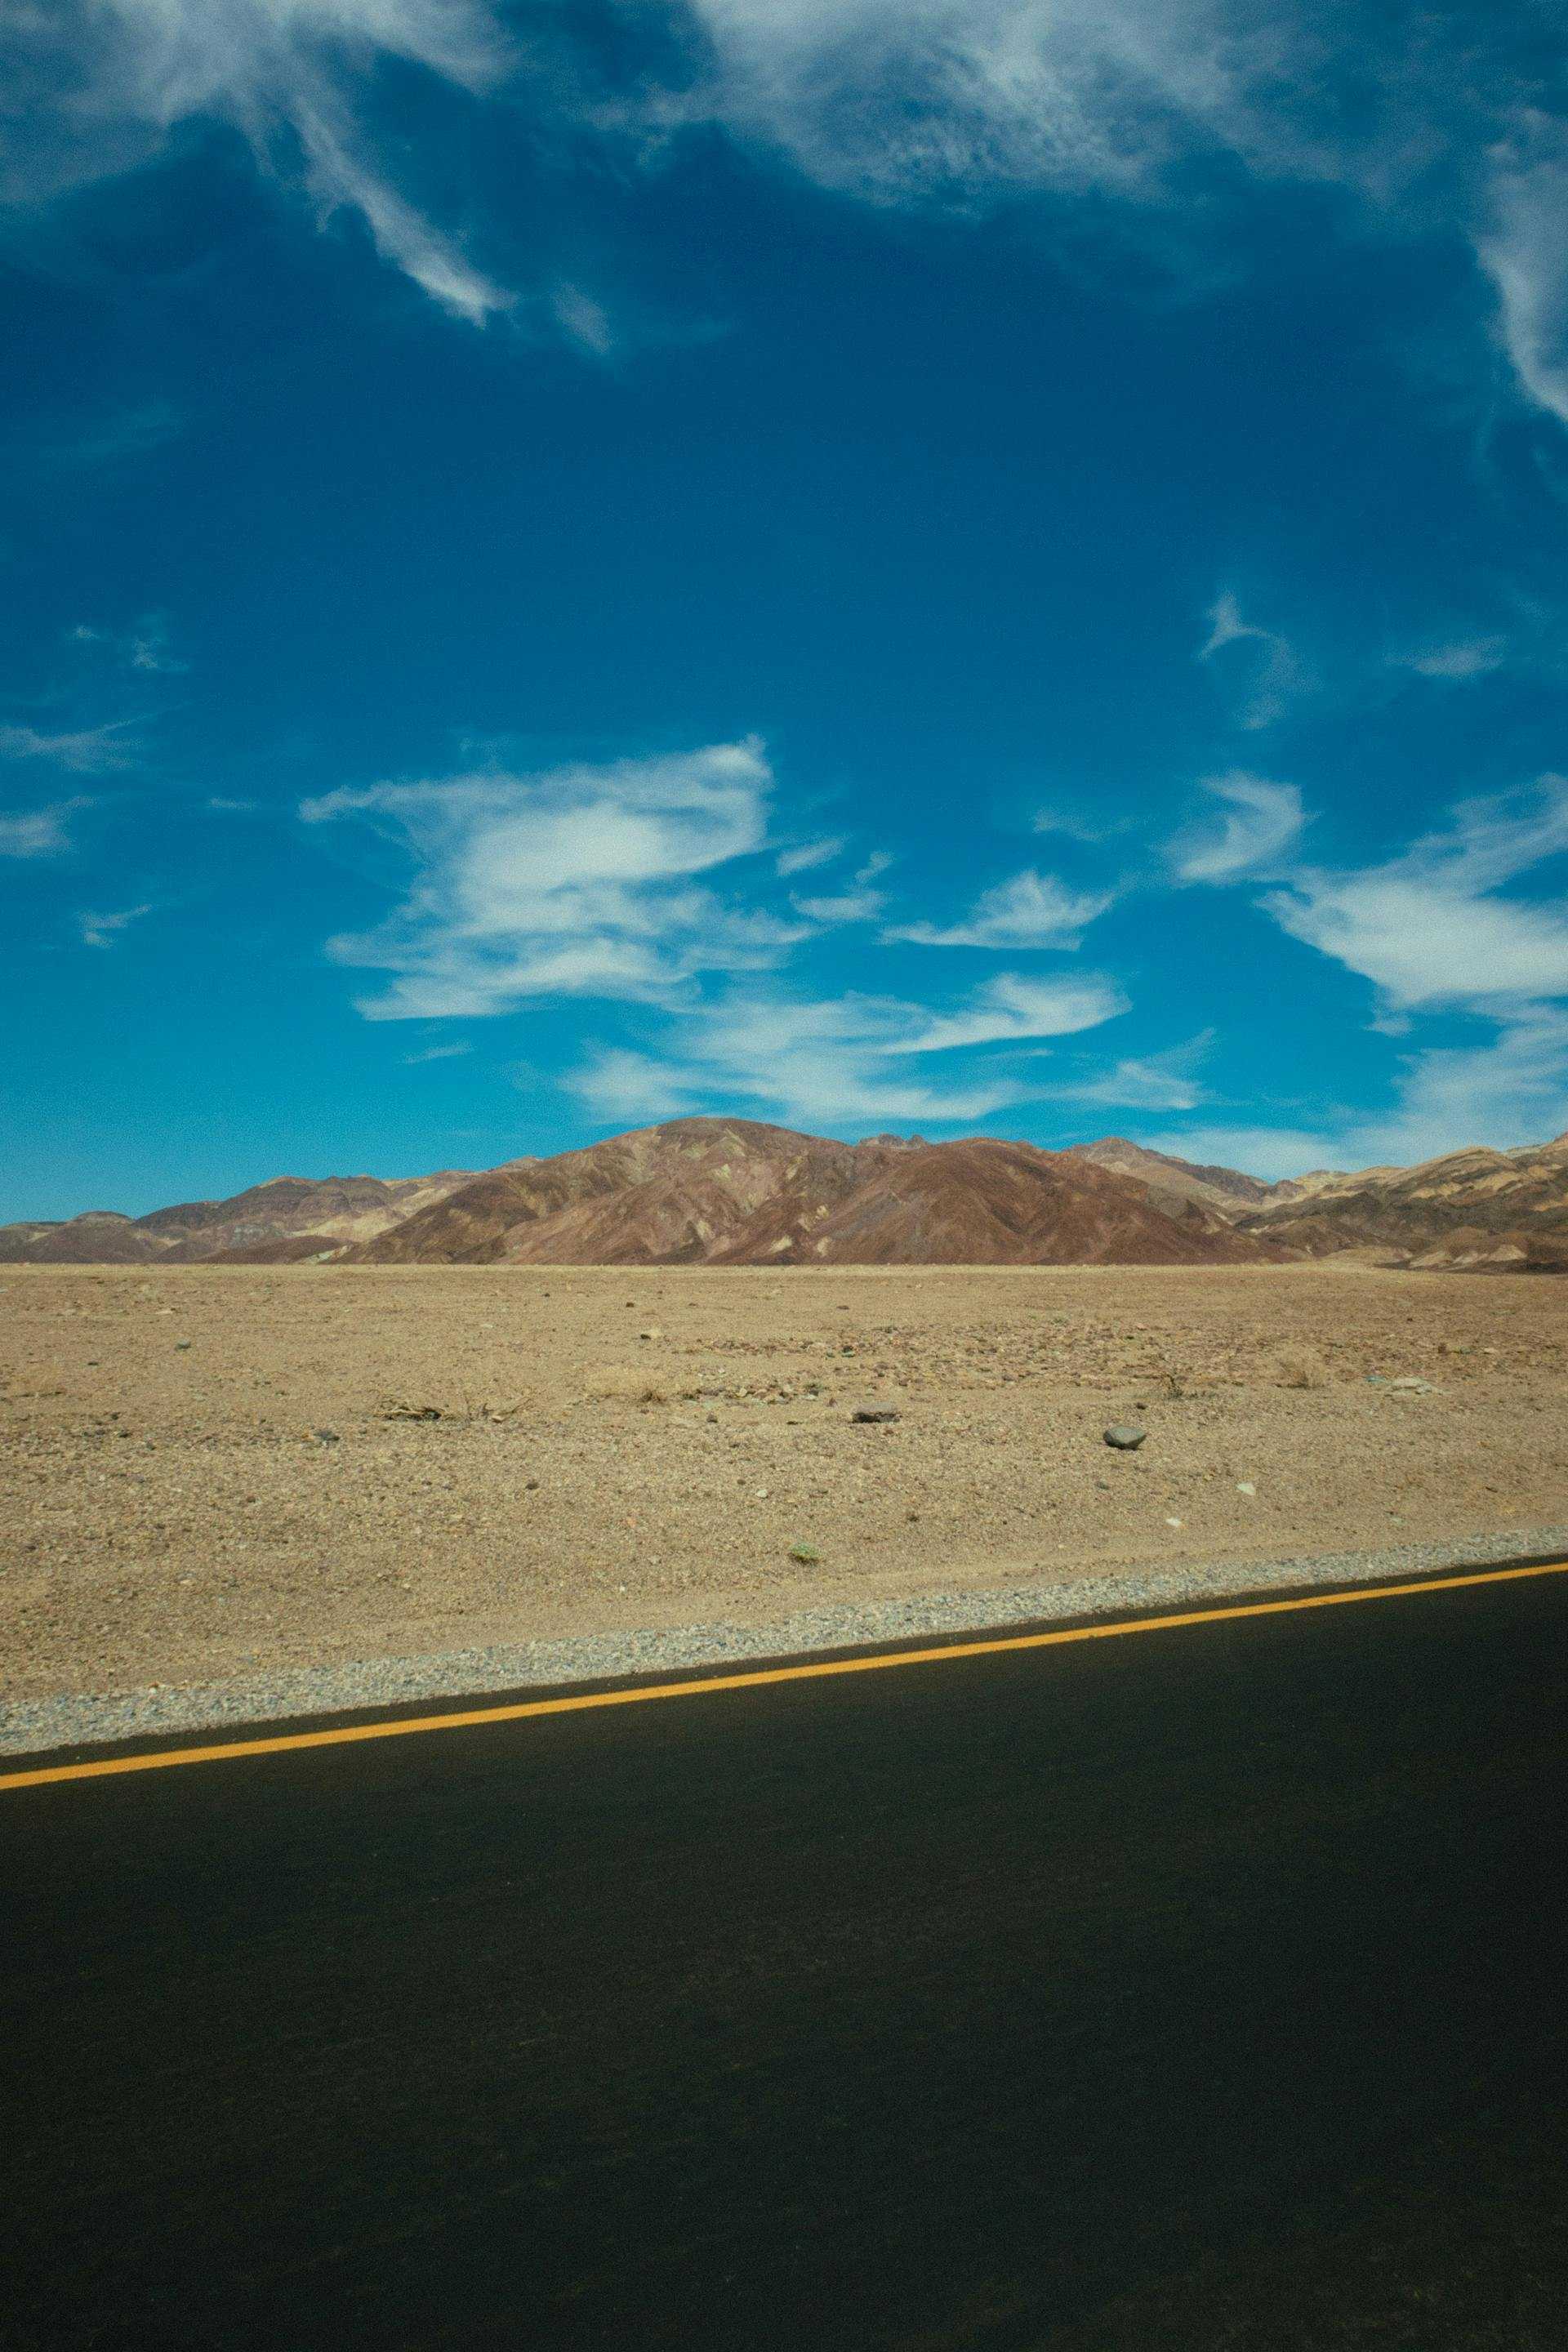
<point x="516" y="1711"/>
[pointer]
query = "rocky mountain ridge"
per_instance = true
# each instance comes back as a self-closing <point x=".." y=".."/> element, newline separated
<point x="1473" y="1211"/>
<point x="743" y="1193"/>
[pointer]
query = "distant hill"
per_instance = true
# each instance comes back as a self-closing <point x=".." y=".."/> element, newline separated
<point x="1225" y="1189"/>
<point x="333" y="1209"/>
<point x="736" y="1191"/>
<point x="1469" y="1211"/>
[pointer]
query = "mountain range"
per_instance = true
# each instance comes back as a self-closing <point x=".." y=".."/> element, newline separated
<point x="722" y="1191"/>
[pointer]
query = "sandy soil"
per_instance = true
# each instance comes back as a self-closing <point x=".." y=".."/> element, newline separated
<point x="206" y="1471"/>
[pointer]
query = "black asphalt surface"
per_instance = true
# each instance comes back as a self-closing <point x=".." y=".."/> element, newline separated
<point x="1202" y="1988"/>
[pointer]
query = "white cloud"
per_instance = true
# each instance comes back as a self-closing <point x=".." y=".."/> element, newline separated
<point x="964" y="98"/>
<point x="435" y="1053"/>
<point x="1261" y="823"/>
<point x="1030" y="910"/>
<point x="102" y="930"/>
<point x="125" y="73"/>
<point x="1427" y="927"/>
<point x="38" y="833"/>
<point x="845" y="1062"/>
<point x="575" y="882"/>
<point x="86" y="750"/>
<point x="1075" y="826"/>
<point x="804" y="855"/>
<point x="1522" y="250"/>
<point x="849" y="906"/>
<point x="1464" y="657"/>
<point x="1015" y="1009"/>
<point x="1162" y="1081"/>
<point x="1511" y="1090"/>
<point x="1266" y="667"/>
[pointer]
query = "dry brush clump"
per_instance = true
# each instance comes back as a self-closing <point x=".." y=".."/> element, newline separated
<point x="625" y="1384"/>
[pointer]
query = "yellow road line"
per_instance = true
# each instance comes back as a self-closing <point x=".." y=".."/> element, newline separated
<point x="282" y="1742"/>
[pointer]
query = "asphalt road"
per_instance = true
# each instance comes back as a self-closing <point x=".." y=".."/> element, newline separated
<point x="1200" y="1988"/>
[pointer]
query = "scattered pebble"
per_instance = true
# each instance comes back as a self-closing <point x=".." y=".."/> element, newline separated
<point x="875" y="1412"/>
<point x="1244" y="1486"/>
<point x="1124" y="1436"/>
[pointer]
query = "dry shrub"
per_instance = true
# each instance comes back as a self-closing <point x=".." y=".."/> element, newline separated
<point x="624" y="1384"/>
<point x="1300" y="1367"/>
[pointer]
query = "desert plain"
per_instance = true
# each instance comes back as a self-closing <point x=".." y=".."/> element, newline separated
<point x="207" y="1471"/>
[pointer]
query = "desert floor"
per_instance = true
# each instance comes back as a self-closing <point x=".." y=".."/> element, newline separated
<point x="204" y="1472"/>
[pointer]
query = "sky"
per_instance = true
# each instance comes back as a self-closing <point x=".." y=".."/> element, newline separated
<point x="938" y="566"/>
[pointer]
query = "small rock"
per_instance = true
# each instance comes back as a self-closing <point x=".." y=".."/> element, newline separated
<point x="875" y="1412"/>
<point x="1172" y="1522"/>
<point x="807" y="1554"/>
<point x="1411" y="1386"/>
<point x="181" y="1346"/>
<point x="326" y="1438"/>
<point x="653" y="1332"/>
<point x="1124" y="1436"/>
<point x="531" y="1486"/>
<point x="1244" y="1486"/>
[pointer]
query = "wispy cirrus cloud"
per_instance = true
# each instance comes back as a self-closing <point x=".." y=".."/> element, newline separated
<point x="84" y="751"/>
<point x="801" y="856"/>
<point x="107" y="84"/>
<point x="852" y="1061"/>
<point x="38" y="832"/>
<point x="1521" y="248"/>
<point x="1164" y="1081"/>
<point x="1507" y="1087"/>
<point x="1259" y="663"/>
<point x="845" y="907"/>
<point x="101" y="930"/>
<point x="966" y="103"/>
<point x="1261" y="821"/>
<point x="1432" y="927"/>
<point x="1028" y="910"/>
<point x="575" y="881"/>
<point x="1456" y="661"/>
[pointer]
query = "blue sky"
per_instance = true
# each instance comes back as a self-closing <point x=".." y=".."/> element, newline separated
<point x="872" y="564"/>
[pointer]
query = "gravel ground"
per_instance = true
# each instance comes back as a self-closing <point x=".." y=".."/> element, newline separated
<point x="211" y="1478"/>
<point x="36" y="1725"/>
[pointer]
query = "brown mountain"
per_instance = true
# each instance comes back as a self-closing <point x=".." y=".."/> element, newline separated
<point x="739" y="1193"/>
<point x="1471" y="1211"/>
<point x="736" y="1191"/>
<point x="1167" y="1180"/>
<point x="332" y="1211"/>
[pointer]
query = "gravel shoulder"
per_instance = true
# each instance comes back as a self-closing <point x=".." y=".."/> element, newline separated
<point x="218" y="1485"/>
<point x="34" y="1726"/>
